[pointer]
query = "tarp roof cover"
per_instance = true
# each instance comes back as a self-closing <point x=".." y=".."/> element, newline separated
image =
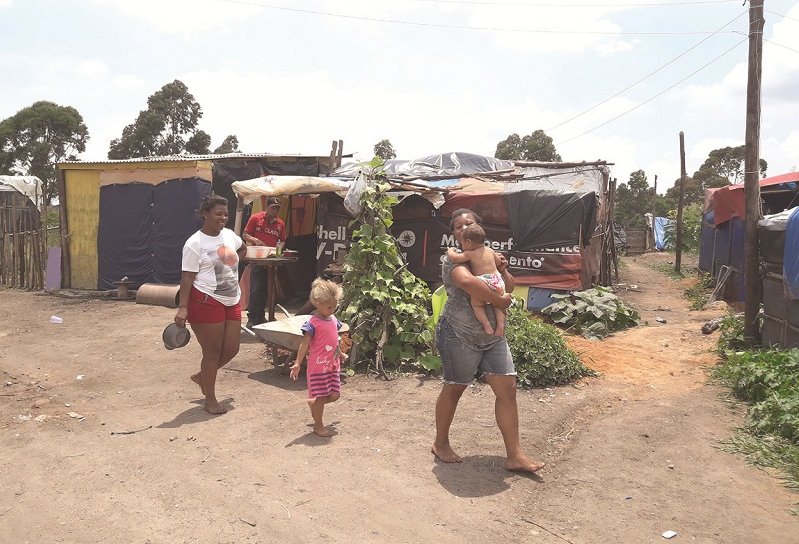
<point x="251" y="189"/>
<point x="456" y="164"/>
<point x="728" y="202"/>
<point x="30" y="186"/>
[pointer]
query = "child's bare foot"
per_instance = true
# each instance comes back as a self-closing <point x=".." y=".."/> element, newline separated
<point x="522" y="463"/>
<point x="445" y="454"/>
<point x="213" y="407"/>
<point x="500" y="331"/>
<point x="321" y="430"/>
<point x="196" y="379"/>
<point x="487" y="328"/>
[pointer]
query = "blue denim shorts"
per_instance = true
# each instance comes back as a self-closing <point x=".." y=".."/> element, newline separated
<point x="461" y="363"/>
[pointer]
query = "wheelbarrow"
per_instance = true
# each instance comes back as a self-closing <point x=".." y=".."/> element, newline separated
<point x="284" y="337"/>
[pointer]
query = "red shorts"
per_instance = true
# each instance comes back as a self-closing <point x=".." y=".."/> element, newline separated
<point x="206" y="309"/>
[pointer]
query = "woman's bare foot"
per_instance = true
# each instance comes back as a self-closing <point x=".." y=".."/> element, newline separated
<point x="321" y="430"/>
<point x="445" y="454"/>
<point x="196" y="379"/>
<point x="522" y="463"/>
<point x="213" y="407"/>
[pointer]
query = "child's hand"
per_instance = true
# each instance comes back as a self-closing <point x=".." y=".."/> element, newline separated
<point x="295" y="371"/>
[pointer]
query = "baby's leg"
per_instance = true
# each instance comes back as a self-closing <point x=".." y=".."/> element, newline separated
<point x="479" y="309"/>
<point x="502" y="319"/>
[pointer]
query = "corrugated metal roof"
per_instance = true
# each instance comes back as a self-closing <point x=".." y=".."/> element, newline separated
<point x="209" y="157"/>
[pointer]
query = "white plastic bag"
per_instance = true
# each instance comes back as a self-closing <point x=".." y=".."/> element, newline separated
<point x="352" y="202"/>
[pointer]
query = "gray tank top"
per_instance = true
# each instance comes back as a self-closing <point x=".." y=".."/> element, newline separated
<point x="460" y="316"/>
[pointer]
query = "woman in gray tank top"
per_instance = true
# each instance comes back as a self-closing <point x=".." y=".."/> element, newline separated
<point x="466" y="350"/>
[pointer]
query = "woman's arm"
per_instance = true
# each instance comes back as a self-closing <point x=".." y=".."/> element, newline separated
<point x="186" y="281"/>
<point x="476" y="288"/>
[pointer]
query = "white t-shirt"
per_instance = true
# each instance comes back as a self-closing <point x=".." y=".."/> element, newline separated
<point x="216" y="262"/>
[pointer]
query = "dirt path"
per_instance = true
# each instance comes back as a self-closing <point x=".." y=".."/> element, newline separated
<point x="257" y="475"/>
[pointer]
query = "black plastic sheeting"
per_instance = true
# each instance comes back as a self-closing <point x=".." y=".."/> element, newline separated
<point x="541" y="219"/>
<point x="142" y="230"/>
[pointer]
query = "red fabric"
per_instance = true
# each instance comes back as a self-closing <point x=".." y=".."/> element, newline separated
<point x="728" y="202"/>
<point x="268" y="233"/>
<point x="206" y="309"/>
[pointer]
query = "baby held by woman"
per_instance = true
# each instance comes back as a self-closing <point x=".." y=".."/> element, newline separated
<point x="482" y="261"/>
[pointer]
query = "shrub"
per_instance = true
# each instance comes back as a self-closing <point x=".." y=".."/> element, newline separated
<point x="594" y="313"/>
<point x="539" y="353"/>
<point x="770" y="380"/>
<point x="732" y="334"/>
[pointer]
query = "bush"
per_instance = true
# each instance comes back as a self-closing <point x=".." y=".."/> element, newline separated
<point x="732" y="334"/>
<point x="594" y="313"/>
<point x="539" y="353"/>
<point x="770" y="380"/>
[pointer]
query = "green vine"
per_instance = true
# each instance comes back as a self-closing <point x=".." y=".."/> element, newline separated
<point x="385" y="305"/>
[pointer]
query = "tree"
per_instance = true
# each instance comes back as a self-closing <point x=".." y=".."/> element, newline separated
<point x="633" y="200"/>
<point x="229" y="145"/>
<point x="385" y="150"/>
<point x="534" y="147"/>
<point x="167" y="127"/>
<point x="34" y="139"/>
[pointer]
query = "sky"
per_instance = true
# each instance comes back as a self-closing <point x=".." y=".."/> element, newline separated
<point x="615" y="81"/>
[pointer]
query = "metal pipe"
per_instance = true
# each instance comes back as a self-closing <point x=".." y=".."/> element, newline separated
<point x="157" y="294"/>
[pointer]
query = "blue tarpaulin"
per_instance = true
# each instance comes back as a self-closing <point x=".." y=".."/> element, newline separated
<point x="660" y="232"/>
<point x="791" y="256"/>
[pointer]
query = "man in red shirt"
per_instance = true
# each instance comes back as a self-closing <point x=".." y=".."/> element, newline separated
<point x="263" y="229"/>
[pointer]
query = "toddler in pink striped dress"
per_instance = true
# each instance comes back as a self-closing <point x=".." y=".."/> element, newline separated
<point x="321" y="343"/>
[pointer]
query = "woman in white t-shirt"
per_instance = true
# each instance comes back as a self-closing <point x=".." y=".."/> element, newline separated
<point x="209" y="294"/>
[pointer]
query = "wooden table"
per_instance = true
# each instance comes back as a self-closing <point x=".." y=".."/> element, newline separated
<point x="272" y="264"/>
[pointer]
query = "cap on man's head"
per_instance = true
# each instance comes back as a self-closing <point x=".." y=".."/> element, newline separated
<point x="272" y="201"/>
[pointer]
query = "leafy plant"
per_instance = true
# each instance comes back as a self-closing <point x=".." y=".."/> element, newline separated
<point x="770" y="380"/>
<point x="699" y="293"/>
<point x="732" y="334"/>
<point x="385" y="305"/>
<point x="594" y="313"/>
<point x="691" y="228"/>
<point x="539" y="353"/>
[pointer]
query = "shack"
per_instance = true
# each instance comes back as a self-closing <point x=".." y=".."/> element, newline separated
<point x="131" y="217"/>
<point x="721" y="251"/>
<point x="22" y="237"/>
<point x="551" y="220"/>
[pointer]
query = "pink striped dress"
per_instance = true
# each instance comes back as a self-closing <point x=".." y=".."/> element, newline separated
<point x="324" y="363"/>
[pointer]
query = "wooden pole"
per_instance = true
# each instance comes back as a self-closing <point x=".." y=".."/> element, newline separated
<point x="654" y="213"/>
<point x="752" y="173"/>
<point x="66" y="268"/>
<point x="333" y="156"/>
<point x="340" y="153"/>
<point x="239" y="214"/>
<point x="678" y="256"/>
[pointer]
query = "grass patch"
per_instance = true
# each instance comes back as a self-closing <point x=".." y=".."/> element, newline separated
<point x="767" y="451"/>
<point x="699" y="293"/>
<point x="769" y="381"/>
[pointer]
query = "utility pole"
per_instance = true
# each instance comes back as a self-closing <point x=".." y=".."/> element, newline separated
<point x="678" y="255"/>
<point x="752" y="283"/>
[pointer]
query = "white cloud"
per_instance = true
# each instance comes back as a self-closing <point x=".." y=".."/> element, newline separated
<point x="128" y="81"/>
<point x="5" y="3"/>
<point x="190" y="19"/>
<point x="92" y="68"/>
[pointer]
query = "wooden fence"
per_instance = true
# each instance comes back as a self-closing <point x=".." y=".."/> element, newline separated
<point x="23" y="244"/>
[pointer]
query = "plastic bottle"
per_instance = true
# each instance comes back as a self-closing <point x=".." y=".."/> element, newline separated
<point x="56" y="319"/>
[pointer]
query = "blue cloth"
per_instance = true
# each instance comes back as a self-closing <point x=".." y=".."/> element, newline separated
<point x="660" y="232"/>
<point x="790" y="266"/>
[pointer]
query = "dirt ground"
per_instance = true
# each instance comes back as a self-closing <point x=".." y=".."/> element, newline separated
<point x="630" y="454"/>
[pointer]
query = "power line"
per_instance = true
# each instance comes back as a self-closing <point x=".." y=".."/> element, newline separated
<point x="627" y="88"/>
<point x="457" y="27"/>
<point x="664" y="91"/>
<point x="772" y="42"/>
<point x="781" y="15"/>
<point x="564" y="5"/>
